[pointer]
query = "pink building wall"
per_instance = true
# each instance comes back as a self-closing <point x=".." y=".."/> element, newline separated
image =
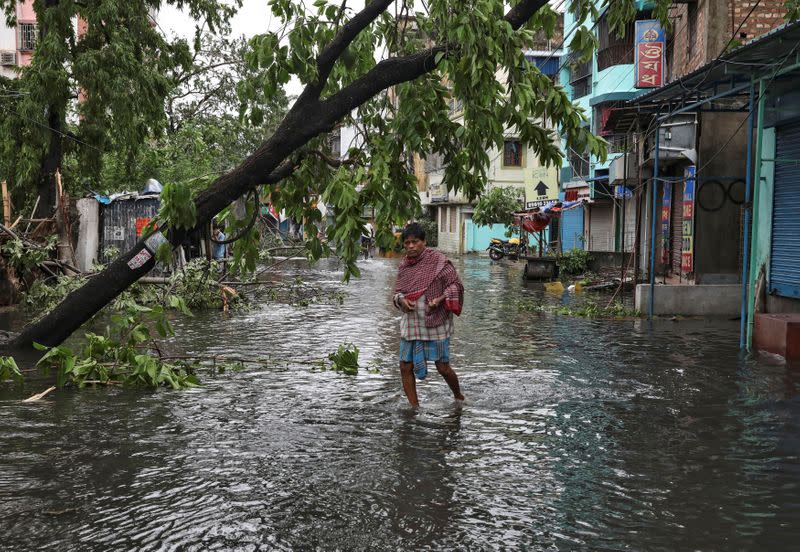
<point x="25" y="14"/>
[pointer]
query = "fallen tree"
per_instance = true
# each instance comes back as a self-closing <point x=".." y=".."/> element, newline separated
<point x="471" y="51"/>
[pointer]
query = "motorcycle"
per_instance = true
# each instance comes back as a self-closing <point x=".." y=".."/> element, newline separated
<point x="512" y="249"/>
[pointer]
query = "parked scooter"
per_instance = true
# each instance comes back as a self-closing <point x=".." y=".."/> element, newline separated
<point x="506" y="248"/>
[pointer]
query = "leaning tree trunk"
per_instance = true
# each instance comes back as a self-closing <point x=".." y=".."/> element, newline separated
<point x="50" y="165"/>
<point x="308" y="117"/>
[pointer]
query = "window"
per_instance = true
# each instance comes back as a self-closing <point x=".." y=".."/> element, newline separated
<point x="691" y="29"/>
<point x="613" y="49"/>
<point x="580" y="78"/>
<point x="27" y="36"/>
<point x="453" y="213"/>
<point x="579" y="163"/>
<point x="512" y="153"/>
<point x="442" y="218"/>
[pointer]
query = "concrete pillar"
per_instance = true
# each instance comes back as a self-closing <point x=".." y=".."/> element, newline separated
<point x="88" y="233"/>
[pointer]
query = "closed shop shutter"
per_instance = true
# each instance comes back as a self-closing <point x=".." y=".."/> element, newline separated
<point x="676" y="226"/>
<point x="572" y="229"/>
<point x="785" y="259"/>
<point x="601" y="236"/>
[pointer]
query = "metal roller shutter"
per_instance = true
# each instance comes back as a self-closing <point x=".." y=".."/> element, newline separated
<point x="572" y="229"/>
<point x="785" y="259"/>
<point x="601" y="235"/>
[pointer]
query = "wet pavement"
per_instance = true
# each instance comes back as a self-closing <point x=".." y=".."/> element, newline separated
<point x="576" y="435"/>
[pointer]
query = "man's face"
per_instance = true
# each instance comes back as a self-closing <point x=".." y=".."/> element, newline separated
<point x="414" y="246"/>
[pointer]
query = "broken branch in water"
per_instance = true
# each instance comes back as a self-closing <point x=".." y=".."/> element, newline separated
<point x="40" y="395"/>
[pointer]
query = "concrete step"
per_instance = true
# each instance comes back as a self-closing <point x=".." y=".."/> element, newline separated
<point x="778" y="334"/>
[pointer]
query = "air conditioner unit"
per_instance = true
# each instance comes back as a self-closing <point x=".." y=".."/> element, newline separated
<point x="8" y="58"/>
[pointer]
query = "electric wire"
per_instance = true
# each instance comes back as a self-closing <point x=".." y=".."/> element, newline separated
<point x="51" y="129"/>
<point x="741" y="124"/>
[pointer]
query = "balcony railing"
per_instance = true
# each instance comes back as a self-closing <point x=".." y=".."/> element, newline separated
<point x="615" y="54"/>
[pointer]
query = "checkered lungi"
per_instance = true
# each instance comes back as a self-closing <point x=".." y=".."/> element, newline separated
<point x="420" y="352"/>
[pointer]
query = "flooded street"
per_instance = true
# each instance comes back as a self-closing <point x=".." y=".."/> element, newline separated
<point x="576" y="434"/>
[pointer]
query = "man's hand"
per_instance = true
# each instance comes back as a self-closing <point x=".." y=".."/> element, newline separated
<point x="433" y="303"/>
<point x="406" y="305"/>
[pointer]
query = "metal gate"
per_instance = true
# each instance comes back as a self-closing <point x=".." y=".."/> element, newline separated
<point x="572" y="229"/>
<point x="785" y="259"/>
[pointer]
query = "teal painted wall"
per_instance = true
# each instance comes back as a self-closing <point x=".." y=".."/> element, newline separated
<point x="617" y="78"/>
<point x="476" y="238"/>
<point x="762" y="240"/>
<point x="762" y="213"/>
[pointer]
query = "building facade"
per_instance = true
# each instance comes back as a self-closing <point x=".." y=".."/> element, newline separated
<point x="17" y="43"/>
<point x="773" y="277"/>
<point x="692" y="158"/>
<point x="598" y="85"/>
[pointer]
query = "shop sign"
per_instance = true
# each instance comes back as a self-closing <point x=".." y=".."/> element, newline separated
<point x="666" y="208"/>
<point x="541" y="185"/>
<point x="687" y="249"/>
<point x="621" y="192"/>
<point x="649" y="63"/>
<point x="438" y="192"/>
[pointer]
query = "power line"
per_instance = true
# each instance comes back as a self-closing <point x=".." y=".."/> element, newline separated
<point x="51" y="129"/>
<point x="738" y="128"/>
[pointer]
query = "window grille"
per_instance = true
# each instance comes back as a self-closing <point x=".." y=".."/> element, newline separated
<point x="27" y="36"/>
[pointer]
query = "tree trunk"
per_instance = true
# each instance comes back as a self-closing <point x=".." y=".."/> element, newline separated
<point x="50" y="165"/>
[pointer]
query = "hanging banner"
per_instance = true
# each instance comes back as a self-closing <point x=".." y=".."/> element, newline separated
<point x="649" y="63"/>
<point x="666" y="209"/>
<point x="687" y="250"/>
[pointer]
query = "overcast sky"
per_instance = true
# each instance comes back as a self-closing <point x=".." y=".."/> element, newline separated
<point x="253" y="17"/>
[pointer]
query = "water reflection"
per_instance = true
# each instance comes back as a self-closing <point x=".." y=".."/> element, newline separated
<point x="576" y="434"/>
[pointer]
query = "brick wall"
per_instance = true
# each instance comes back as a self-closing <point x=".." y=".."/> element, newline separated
<point x="701" y="30"/>
<point x="766" y="16"/>
<point x="687" y="44"/>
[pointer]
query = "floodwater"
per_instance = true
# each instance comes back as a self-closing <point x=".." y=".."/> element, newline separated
<point x="576" y="435"/>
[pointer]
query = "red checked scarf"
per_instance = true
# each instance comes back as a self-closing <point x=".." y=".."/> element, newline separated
<point x="432" y="274"/>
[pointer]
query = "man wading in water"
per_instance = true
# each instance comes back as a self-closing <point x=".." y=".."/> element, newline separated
<point x="429" y="292"/>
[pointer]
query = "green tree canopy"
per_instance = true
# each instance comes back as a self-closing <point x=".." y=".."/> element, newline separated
<point x="498" y="206"/>
<point x="99" y="91"/>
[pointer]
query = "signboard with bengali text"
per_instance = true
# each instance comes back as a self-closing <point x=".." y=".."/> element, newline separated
<point x="649" y="62"/>
<point x="541" y="186"/>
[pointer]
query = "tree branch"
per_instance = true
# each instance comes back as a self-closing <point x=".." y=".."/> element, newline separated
<point x="522" y="12"/>
<point x="394" y="71"/>
<point x="335" y="163"/>
<point x="349" y="31"/>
